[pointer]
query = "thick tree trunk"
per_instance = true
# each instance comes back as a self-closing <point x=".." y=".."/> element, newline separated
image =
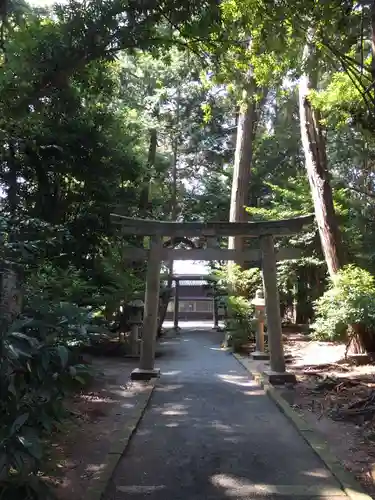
<point x="173" y="210"/>
<point x="175" y="143"/>
<point x="246" y="128"/>
<point x="317" y="171"/>
<point x="145" y="203"/>
<point x="145" y="199"/>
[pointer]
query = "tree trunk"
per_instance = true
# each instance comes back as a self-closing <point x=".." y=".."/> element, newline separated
<point x="321" y="192"/>
<point x="166" y="297"/>
<point x="145" y="203"/>
<point x="317" y="171"/>
<point x="246" y="128"/>
<point x="175" y="142"/>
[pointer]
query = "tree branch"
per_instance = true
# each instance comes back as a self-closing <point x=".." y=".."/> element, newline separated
<point x="369" y="194"/>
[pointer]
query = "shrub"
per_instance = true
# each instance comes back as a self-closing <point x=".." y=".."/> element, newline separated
<point x="38" y="369"/>
<point x="240" y="323"/>
<point x="348" y="304"/>
<point x="55" y="310"/>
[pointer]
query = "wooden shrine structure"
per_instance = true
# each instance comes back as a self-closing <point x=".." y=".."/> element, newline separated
<point x="203" y="292"/>
<point x="267" y="255"/>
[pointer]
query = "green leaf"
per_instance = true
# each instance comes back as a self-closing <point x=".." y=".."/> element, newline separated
<point x="18" y="423"/>
<point x="22" y="337"/>
<point x="17" y="325"/>
<point x="3" y="465"/>
<point x="63" y="353"/>
<point x="32" y="444"/>
<point x="80" y="379"/>
<point x="18" y="460"/>
<point x="15" y="353"/>
<point x="72" y="371"/>
<point x="11" y="386"/>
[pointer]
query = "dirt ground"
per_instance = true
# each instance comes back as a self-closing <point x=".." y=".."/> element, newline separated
<point x="79" y="448"/>
<point x="337" y="397"/>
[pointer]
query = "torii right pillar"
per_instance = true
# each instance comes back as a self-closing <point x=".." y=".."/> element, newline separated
<point x="277" y="374"/>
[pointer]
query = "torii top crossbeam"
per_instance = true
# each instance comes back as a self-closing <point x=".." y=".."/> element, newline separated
<point x="147" y="227"/>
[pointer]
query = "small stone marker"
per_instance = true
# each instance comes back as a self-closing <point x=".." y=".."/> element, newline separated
<point x="135" y="326"/>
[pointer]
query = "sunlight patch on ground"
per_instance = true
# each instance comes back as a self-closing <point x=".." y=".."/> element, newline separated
<point x="236" y="380"/>
<point x="143" y="432"/>
<point x="140" y="489"/>
<point x="221" y="427"/>
<point x="173" y="410"/>
<point x="95" y="468"/>
<point x="174" y="413"/>
<point x="169" y="388"/>
<point x="127" y="405"/>
<point x="254" y="392"/>
<point x="237" y="487"/>
<point x="232" y="439"/>
<point x="317" y="473"/>
<point x="122" y="391"/>
<point x="97" y="399"/>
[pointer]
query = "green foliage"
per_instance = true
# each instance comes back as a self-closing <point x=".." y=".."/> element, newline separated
<point x="240" y="324"/>
<point x="338" y="101"/>
<point x="37" y="371"/>
<point x="49" y="282"/>
<point x="349" y="300"/>
<point x="243" y="282"/>
<point x="293" y="198"/>
<point x="238" y="287"/>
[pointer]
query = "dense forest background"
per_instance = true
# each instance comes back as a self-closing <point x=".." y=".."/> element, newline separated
<point x="196" y="110"/>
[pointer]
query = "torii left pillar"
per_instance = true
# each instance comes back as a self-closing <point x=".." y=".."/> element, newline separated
<point x="146" y="370"/>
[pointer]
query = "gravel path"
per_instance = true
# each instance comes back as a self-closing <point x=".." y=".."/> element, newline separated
<point x="211" y="433"/>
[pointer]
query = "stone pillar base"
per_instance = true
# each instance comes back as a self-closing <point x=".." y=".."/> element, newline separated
<point x="140" y="374"/>
<point x="260" y="356"/>
<point x="280" y="378"/>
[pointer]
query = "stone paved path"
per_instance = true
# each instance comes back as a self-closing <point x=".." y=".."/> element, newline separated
<point x="211" y="433"/>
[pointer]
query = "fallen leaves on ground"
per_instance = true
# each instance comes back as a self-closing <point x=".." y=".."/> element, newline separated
<point x="337" y="396"/>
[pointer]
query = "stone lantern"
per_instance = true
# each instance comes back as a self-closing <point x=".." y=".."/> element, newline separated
<point x="135" y="321"/>
<point x="260" y="304"/>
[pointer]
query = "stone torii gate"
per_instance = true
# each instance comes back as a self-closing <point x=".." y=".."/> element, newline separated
<point x="266" y="254"/>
